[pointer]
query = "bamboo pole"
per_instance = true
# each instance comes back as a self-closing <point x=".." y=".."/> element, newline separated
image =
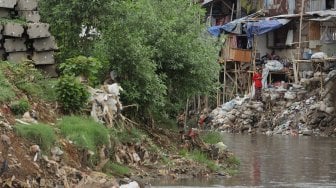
<point x="296" y="76"/>
<point x="186" y="115"/>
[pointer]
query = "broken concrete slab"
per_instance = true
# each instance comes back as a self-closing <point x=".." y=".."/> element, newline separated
<point x="43" y="58"/>
<point x="38" y="30"/>
<point x="17" y="57"/>
<point x="26" y="5"/>
<point x="30" y="16"/>
<point x="15" y="45"/>
<point x="13" y="29"/>
<point x="45" y="44"/>
<point x="4" y="13"/>
<point x="7" y="3"/>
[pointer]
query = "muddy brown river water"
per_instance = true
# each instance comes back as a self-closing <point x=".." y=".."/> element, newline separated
<point x="274" y="161"/>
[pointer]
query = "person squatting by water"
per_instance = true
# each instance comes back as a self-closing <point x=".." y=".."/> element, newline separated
<point x="257" y="77"/>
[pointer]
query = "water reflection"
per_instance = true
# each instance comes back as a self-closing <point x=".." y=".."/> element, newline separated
<point x="276" y="161"/>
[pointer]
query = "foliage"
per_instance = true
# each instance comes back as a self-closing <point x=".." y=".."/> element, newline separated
<point x="41" y="134"/>
<point x="116" y="169"/>
<point x="82" y="66"/>
<point x="67" y="19"/>
<point x="162" y="61"/>
<point x="84" y="132"/>
<point x="71" y="94"/>
<point x="29" y="80"/>
<point x="212" y="137"/>
<point x="7" y="93"/>
<point x="20" y="107"/>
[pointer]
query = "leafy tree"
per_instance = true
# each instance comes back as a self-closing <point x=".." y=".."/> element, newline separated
<point x="160" y="52"/>
<point x="67" y="18"/>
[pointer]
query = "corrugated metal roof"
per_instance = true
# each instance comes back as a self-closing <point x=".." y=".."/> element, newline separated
<point x="322" y="13"/>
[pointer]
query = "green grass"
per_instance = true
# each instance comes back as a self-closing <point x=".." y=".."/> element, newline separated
<point x="232" y="160"/>
<point x="40" y="134"/>
<point x="128" y="136"/>
<point x="201" y="157"/>
<point x="44" y="89"/>
<point x="6" y="93"/>
<point x="116" y="169"/>
<point x="84" y="132"/>
<point x="212" y="137"/>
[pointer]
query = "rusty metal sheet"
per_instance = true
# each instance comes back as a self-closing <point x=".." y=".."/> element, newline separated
<point x="26" y="5"/>
<point x="45" y="44"/>
<point x="278" y="7"/>
<point x="7" y="3"/>
<point x="30" y="16"/>
<point x="4" y="12"/>
<point x="15" y="45"/>
<point x="38" y="30"/>
<point x="17" y="57"/>
<point x="43" y="58"/>
<point x="13" y="30"/>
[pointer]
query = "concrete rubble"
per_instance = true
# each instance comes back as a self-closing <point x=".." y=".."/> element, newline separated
<point x="288" y="109"/>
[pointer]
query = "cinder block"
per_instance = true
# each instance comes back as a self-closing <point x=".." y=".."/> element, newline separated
<point x="43" y="58"/>
<point x="38" y="30"/>
<point x="7" y="3"/>
<point x="30" y="16"/>
<point x="4" y="12"/>
<point x="26" y="5"/>
<point x="17" y="57"/>
<point x="13" y="29"/>
<point x="15" y="45"/>
<point x="45" y="44"/>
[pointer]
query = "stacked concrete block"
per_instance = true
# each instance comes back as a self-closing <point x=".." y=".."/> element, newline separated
<point x="25" y="41"/>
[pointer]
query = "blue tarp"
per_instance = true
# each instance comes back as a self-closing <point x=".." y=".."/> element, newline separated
<point x="252" y="27"/>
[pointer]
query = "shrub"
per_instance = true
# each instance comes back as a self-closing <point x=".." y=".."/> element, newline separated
<point x="71" y="94"/>
<point x="84" y="132"/>
<point x="44" y="89"/>
<point x="116" y="169"/>
<point x="203" y="159"/>
<point x="212" y="137"/>
<point x="20" y="107"/>
<point x="41" y="134"/>
<point x="86" y="66"/>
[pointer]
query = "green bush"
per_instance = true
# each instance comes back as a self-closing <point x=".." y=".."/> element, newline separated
<point x="84" y="132"/>
<point x="212" y="137"/>
<point x="86" y="66"/>
<point x="41" y="134"/>
<point x="116" y="169"/>
<point x="20" y="107"/>
<point x="71" y="94"/>
<point x="43" y="89"/>
<point x="6" y="93"/>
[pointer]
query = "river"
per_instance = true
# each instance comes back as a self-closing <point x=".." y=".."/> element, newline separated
<point x="274" y="161"/>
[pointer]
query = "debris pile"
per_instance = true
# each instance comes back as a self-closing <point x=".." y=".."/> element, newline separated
<point x="106" y="105"/>
<point x="286" y="109"/>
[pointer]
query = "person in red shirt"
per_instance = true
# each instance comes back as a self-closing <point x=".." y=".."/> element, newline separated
<point x="257" y="77"/>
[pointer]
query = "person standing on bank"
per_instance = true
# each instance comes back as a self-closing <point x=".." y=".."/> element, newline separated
<point x="257" y="77"/>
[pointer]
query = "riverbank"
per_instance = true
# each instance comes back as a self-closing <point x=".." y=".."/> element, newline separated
<point x="293" y="109"/>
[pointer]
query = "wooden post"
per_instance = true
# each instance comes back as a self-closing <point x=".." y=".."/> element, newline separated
<point x="238" y="14"/>
<point x="224" y="83"/>
<point x="186" y="114"/>
<point x="232" y="10"/>
<point x="296" y="76"/>
<point x="236" y="77"/>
